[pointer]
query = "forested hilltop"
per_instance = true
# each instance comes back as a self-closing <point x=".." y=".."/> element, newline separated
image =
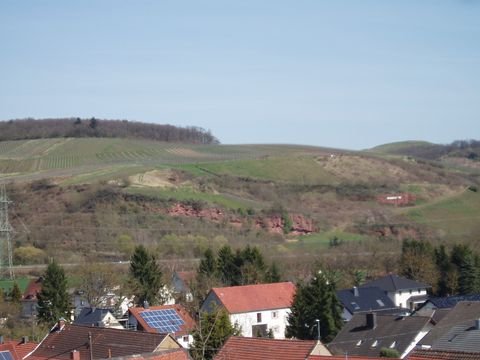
<point x="22" y="129"/>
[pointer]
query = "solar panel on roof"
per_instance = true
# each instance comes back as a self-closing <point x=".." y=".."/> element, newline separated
<point x="6" y="355"/>
<point x="164" y="321"/>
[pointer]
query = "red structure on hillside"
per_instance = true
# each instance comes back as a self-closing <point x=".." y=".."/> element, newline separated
<point x="401" y="199"/>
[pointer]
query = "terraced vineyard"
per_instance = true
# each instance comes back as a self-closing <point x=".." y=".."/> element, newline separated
<point x="18" y="159"/>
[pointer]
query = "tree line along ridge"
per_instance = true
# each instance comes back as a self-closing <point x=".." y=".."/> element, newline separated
<point x="25" y="129"/>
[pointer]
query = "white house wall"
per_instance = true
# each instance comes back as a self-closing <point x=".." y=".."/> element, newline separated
<point x="276" y="322"/>
<point x="400" y="298"/>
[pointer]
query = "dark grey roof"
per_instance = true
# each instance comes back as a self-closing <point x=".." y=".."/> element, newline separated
<point x="451" y="301"/>
<point x="365" y="299"/>
<point x="356" y="338"/>
<point x="462" y="314"/>
<point x="465" y="337"/>
<point x="91" y="316"/>
<point x="393" y="283"/>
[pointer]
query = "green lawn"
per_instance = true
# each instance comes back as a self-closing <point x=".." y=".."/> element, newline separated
<point x="322" y="240"/>
<point x="7" y="285"/>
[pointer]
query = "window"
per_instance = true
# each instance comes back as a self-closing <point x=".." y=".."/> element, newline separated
<point x="274" y="314"/>
<point x="355" y="305"/>
<point x="392" y="345"/>
<point x="375" y="343"/>
<point x="259" y="317"/>
<point x="359" y="342"/>
<point x="380" y="303"/>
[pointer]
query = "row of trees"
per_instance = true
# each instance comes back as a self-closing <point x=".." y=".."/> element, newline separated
<point x="232" y="268"/>
<point x="144" y="282"/>
<point x="77" y="127"/>
<point x="455" y="271"/>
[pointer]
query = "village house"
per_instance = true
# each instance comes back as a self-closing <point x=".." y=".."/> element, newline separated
<point x="15" y="350"/>
<point x="98" y="317"/>
<point x="243" y="348"/>
<point x="29" y="298"/>
<point x="172" y="319"/>
<point x="404" y="293"/>
<point x="422" y="354"/>
<point x="367" y="334"/>
<point x="77" y="342"/>
<point x="365" y="299"/>
<point x="458" y="330"/>
<point x="256" y="309"/>
<point x="181" y="283"/>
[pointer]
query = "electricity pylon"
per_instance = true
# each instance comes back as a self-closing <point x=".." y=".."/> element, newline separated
<point x="6" y="232"/>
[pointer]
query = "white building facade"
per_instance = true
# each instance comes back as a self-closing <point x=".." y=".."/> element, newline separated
<point x="262" y="323"/>
<point x="258" y="310"/>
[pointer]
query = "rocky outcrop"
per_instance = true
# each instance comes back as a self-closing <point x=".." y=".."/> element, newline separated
<point x="273" y="224"/>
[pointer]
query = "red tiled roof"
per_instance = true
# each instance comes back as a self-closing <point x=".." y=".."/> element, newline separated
<point x="184" y="329"/>
<point x="322" y="357"/>
<point x="243" y="348"/>
<point x="106" y="342"/>
<point x="175" y="354"/>
<point x="239" y="299"/>
<point x="442" y="355"/>
<point x="18" y="349"/>
<point x="33" y="288"/>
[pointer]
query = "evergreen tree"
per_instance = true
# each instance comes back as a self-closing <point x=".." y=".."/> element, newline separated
<point x="227" y="265"/>
<point x="445" y="270"/>
<point x="273" y="274"/>
<point x="145" y="277"/>
<point x="208" y="265"/>
<point x="312" y="301"/>
<point x="214" y="328"/>
<point x="252" y="266"/>
<point x="53" y="301"/>
<point x="466" y="264"/>
<point x="16" y="294"/>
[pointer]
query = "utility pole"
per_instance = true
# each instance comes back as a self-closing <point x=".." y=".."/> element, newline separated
<point x="6" y="231"/>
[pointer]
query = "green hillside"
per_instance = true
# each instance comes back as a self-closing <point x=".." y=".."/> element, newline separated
<point x="75" y="198"/>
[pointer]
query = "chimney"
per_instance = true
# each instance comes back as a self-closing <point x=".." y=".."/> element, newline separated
<point x="355" y="291"/>
<point x="145" y="304"/>
<point x="1" y="339"/>
<point x="477" y="324"/>
<point x="75" y="355"/>
<point x="60" y="324"/>
<point x="24" y="339"/>
<point x="371" y="320"/>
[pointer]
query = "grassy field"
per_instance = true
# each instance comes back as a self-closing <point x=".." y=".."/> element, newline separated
<point x="319" y="241"/>
<point x="185" y="193"/>
<point x="7" y="285"/>
<point x="456" y="218"/>
<point x="18" y="158"/>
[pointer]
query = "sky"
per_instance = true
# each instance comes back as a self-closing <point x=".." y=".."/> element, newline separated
<point x="344" y="74"/>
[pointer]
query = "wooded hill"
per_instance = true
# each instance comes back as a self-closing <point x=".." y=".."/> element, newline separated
<point x="23" y="129"/>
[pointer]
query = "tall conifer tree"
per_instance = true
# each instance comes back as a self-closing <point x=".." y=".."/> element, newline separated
<point x="53" y="300"/>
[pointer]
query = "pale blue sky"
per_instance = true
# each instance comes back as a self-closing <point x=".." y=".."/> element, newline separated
<point x="347" y="74"/>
